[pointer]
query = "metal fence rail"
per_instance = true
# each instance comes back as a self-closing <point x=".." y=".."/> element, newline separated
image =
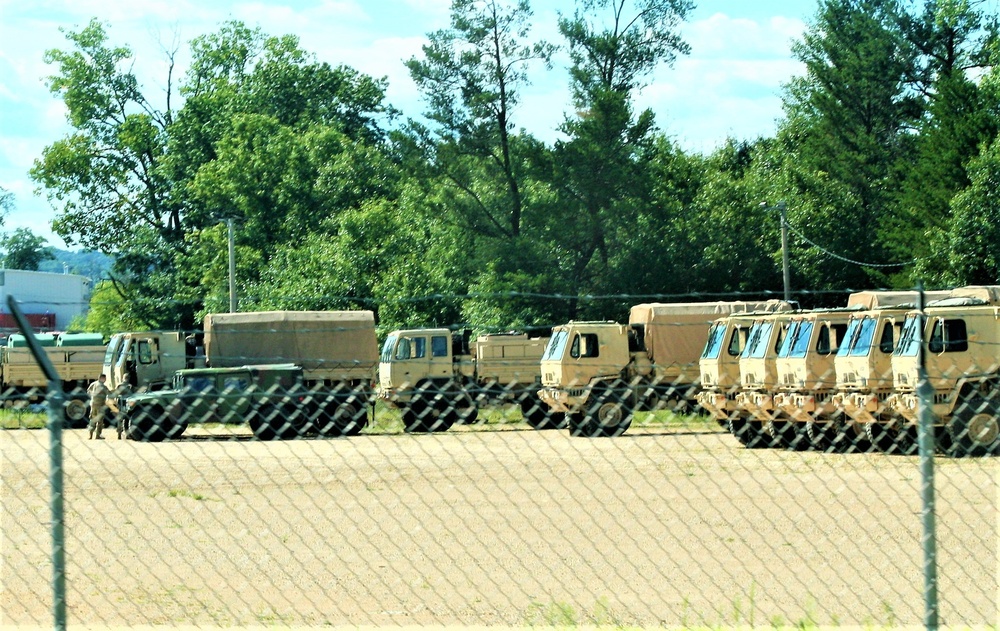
<point x="676" y="522"/>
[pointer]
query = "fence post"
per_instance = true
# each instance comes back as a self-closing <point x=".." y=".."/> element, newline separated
<point x="57" y="414"/>
<point x="925" y="435"/>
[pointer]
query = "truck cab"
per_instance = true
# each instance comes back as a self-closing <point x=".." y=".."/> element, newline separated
<point x="145" y="361"/>
<point x="425" y="372"/>
<point x="578" y="356"/>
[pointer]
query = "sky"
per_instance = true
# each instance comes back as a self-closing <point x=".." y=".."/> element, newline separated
<point x="729" y="86"/>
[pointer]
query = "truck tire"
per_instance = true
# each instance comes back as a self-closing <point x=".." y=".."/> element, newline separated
<point x="149" y="424"/>
<point x="430" y="411"/>
<point x="271" y="421"/>
<point x="609" y="415"/>
<point x="539" y="415"/>
<point x="344" y="419"/>
<point x="890" y="438"/>
<point x="77" y="413"/>
<point x="788" y="434"/>
<point x="974" y="428"/>
<point x="825" y="435"/>
<point x="751" y="434"/>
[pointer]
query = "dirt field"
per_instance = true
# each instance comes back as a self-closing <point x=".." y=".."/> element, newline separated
<point x="501" y="527"/>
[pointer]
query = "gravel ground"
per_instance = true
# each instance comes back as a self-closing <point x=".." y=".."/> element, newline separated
<point x="485" y="526"/>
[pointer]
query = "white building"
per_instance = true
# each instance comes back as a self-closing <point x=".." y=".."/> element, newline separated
<point x="50" y="301"/>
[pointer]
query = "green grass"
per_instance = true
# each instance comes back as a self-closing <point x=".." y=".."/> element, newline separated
<point x="22" y="419"/>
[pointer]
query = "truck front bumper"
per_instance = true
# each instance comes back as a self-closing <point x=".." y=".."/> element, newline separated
<point x="566" y="401"/>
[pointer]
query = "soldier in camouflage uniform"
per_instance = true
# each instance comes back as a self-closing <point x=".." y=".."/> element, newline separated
<point x="98" y="397"/>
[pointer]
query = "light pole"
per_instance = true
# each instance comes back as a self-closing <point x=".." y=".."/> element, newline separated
<point x="232" y="268"/>
<point x="786" y="276"/>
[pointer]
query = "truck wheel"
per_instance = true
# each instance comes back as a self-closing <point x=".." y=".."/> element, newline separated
<point x="346" y="419"/>
<point x="433" y="413"/>
<point x="412" y="422"/>
<point x="751" y="434"/>
<point x="889" y="438"/>
<point x="825" y="436"/>
<point x="269" y="422"/>
<point x="788" y="434"/>
<point x="609" y="415"/>
<point x="975" y="428"/>
<point x="539" y="416"/>
<point x="147" y="424"/>
<point x="77" y="412"/>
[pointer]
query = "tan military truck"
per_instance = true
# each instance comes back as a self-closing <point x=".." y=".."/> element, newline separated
<point x="600" y="373"/>
<point x="960" y="338"/>
<point x="77" y="358"/>
<point x="336" y="350"/>
<point x="864" y="376"/>
<point x="754" y="403"/>
<point x="720" y="361"/>
<point x="438" y="379"/>
<point x="807" y="377"/>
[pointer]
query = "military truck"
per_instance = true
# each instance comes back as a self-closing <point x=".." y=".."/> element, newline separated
<point x="336" y="350"/>
<point x="438" y="379"/>
<point x="600" y="373"/>
<point x="958" y="338"/>
<point x="271" y="398"/>
<point x="864" y="377"/>
<point x="720" y="361"/>
<point x="77" y="358"/>
<point x="754" y="403"/>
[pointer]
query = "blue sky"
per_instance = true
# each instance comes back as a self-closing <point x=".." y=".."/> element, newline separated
<point x="729" y="85"/>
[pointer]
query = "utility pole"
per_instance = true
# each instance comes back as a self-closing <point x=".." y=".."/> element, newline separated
<point x="232" y="268"/>
<point x="784" y="253"/>
<point x="786" y="275"/>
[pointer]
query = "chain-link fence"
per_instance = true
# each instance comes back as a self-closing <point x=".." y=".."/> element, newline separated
<point x="576" y="477"/>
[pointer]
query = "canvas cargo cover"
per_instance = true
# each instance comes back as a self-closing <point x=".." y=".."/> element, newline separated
<point x="315" y="340"/>
<point x="876" y="299"/>
<point x="990" y="294"/>
<point x="676" y="332"/>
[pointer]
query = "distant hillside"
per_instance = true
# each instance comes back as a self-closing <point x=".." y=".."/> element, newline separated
<point x="93" y="265"/>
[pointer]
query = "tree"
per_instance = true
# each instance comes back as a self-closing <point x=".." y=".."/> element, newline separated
<point x="604" y="182"/>
<point x="25" y="250"/>
<point x="471" y="77"/>
<point x="846" y="139"/>
<point x="968" y="246"/>
<point x="954" y="40"/>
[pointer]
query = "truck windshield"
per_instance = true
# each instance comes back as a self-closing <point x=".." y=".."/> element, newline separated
<point x="908" y="343"/>
<point x="760" y="333"/>
<point x="797" y="342"/>
<point x="112" y="352"/>
<point x="850" y="335"/>
<point x="861" y="344"/>
<point x="714" y="344"/>
<point x="556" y="346"/>
<point x="387" y="348"/>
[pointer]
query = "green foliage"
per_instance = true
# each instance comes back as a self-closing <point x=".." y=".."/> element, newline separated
<point x="23" y="249"/>
<point x="108" y="312"/>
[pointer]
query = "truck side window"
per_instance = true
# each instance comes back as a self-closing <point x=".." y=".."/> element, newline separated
<point x="574" y="349"/>
<point x="419" y="347"/>
<point x="439" y="346"/>
<point x="590" y="347"/>
<point x="887" y="342"/>
<point x="403" y="348"/>
<point x="949" y="336"/>
<point x="737" y="342"/>
<point x="145" y="353"/>
<point x="823" y="341"/>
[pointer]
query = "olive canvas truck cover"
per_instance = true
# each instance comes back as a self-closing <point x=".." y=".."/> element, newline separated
<point x="675" y="333"/>
<point x="330" y="345"/>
